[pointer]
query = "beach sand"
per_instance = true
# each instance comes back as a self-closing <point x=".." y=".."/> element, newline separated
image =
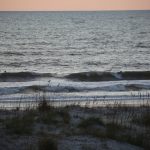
<point x="75" y="128"/>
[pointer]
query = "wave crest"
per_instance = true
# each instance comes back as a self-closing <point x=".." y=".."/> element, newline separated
<point x="109" y="76"/>
<point x="21" y="76"/>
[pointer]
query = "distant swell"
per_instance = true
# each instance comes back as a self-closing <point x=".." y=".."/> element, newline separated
<point x="143" y="45"/>
<point x="81" y="76"/>
<point x="109" y="76"/>
<point x="21" y="76"/>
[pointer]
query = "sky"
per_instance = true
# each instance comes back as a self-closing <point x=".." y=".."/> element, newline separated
<point x="74" y="5"/>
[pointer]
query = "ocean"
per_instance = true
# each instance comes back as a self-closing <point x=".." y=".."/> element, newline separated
<point x="74" y="55"/>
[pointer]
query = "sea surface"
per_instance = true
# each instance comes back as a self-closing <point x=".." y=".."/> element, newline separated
<point x="74" y="55"/>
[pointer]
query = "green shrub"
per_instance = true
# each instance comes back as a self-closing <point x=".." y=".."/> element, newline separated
<point x="143" y="119"/>
<point x="90" y="122"/>
<point x="47" y="144"/>
<point x="44" y="105"/>
<point x="93" y="126"/>
<point x="54" y="117"/>
<point x="66" y="116"/>
<point x="20" y="124"/>
<point x="112" y="130"/>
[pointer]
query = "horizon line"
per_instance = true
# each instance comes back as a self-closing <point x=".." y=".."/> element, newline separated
<point x="73" y="10"/>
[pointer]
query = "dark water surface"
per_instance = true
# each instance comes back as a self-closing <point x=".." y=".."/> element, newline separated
<point x="72" y="52"/>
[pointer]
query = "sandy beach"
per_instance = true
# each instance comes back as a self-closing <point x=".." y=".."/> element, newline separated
<point x="113" y="127"/>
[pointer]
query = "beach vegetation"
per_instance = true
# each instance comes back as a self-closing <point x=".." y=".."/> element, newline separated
<point x="47" y="143"/>
<point x="43" y="105"/>
<point x="22" y="124"/>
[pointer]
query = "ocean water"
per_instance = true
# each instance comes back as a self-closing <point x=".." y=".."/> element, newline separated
<point x="74" y="54"/>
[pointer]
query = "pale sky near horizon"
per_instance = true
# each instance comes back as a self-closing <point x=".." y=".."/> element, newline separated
<point x="65" y="5"/>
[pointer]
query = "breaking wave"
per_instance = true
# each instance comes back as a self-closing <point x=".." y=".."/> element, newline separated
<point x="21" y="76"/>
<point x="81" y="76"/>
<point x="109" y="76"/>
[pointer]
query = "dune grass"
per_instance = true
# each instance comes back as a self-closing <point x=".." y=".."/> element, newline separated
<point x="20" y="124"/>
<point x="120" y="123"/>
<point x="47" y="143"/>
